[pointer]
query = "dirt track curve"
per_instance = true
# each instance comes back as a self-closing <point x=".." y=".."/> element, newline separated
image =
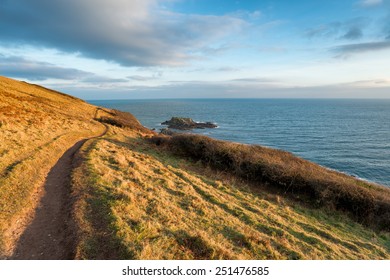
<point x="51" y="234"/>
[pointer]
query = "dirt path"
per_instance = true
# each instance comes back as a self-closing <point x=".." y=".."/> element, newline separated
<point x="51" y="234"/>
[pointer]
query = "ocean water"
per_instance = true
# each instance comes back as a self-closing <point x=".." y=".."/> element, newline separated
<point x="351" y="136"/>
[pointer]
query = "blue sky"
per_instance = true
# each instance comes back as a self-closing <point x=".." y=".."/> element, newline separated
<point x="121" y="49"/>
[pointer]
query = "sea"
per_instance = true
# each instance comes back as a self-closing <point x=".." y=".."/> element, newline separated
<point x="351" y="136"/>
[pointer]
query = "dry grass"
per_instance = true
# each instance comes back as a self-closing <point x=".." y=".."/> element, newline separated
<point x="134" y="200"/>
<point x="32" y="117"/>
<point x="138" y="202"/>
<point x="288" y="175"/>
<point x="37" y="126"/>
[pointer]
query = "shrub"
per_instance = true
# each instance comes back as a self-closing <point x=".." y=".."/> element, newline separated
<point x="123" y="120"/>
<point x="287" y="174"/>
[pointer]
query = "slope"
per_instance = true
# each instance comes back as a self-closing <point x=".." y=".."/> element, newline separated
<point x="138" y="201"/>
<point x="37" y="126"/>
<point x="186" y="198"/>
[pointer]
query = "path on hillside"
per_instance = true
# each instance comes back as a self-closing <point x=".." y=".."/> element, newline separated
<point x="51" y="234"/>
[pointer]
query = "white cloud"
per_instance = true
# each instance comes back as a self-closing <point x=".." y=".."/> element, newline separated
<point x="22" y="68"/>
<point x="370" y="3"/>
<point x="131" y="33"/>
<point x="19" y="67"/>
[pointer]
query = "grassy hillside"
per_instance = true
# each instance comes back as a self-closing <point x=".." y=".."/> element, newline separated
<point x="139" y="201"/>
<point x="37" y="126"/>
<point x="188" y="197"/>
<point x="288" y="175"/>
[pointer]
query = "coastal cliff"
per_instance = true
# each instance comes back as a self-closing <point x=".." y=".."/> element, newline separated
<point x="129" y="193"/>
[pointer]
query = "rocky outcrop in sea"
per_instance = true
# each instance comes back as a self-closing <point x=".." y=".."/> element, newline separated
<point x="187" y="124"/>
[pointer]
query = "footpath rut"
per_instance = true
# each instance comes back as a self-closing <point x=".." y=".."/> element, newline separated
<point x="51" y="234"/>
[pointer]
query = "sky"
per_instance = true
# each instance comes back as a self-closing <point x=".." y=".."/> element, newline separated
<point x="125" y="49"/>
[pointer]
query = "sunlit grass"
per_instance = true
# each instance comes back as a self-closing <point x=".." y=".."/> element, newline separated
<point x="163" y="207"/>
<point x="37" y="126"/>
<point x="134" y="200"/>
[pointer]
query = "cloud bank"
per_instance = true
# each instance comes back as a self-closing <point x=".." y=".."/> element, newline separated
<point x="232" y="90"/>
<point x="130" y="33"/>
<point x="37" y="71"/>
<point x="19" y="67"/>
<point x="362" y="47"/>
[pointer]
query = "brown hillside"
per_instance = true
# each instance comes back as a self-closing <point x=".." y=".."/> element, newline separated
<point x="78" y="181"/>
<point x="37" y="126"/>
